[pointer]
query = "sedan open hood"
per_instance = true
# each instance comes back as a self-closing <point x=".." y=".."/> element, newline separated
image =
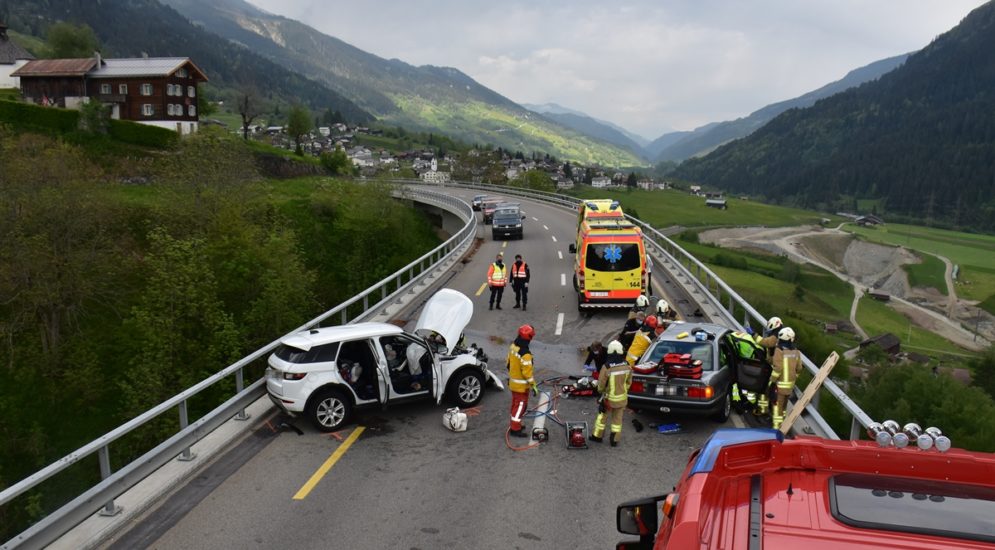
<point x="447" y="313"/>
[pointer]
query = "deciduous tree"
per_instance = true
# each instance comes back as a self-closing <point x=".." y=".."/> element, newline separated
<point x="298" y="126"/>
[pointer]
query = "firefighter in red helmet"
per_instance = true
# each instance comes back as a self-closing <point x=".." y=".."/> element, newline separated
<point x="520" y="380"/>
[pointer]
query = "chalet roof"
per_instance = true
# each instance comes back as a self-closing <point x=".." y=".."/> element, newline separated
<point x="884" y="341"/>
<point x="109" y="68"/>
<point x="145" y="66"/>
<point x="56" y="67"/>
<point x="10" y="51"/>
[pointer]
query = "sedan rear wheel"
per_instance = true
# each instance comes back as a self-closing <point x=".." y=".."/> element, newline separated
<point x="723" y="414"/>
<point x="329" y="410"/>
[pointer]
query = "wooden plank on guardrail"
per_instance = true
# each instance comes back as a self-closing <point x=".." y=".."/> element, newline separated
<point x="813" y="386"/>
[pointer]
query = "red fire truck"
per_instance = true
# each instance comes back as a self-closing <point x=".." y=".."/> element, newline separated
<point x="751" y="489"/>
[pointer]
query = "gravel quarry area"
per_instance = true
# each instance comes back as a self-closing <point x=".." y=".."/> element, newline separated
<point x="868" y="267"/>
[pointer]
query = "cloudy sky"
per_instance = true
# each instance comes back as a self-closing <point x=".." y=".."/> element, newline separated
<point x="649" y="66"/>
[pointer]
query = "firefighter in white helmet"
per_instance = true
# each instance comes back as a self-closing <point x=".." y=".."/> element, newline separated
<point x="768" y="340"/>
<point x="787" y="365"/>
<point x="613" y="385"/>
<point x="642" y="302"/>
<point x="664" y="316"/>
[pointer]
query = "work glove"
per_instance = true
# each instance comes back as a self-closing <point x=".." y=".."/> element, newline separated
<point x="535" y="389"/>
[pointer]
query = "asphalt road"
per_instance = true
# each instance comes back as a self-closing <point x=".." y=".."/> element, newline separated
<point x="407" y="482"/>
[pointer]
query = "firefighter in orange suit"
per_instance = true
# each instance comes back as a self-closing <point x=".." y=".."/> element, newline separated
<point x="520" y="380"/>
<point x="613" y="385"/>
<point x="642" y="340"/>
<point x="497" y="277"/>
<point x="787" y="364"/>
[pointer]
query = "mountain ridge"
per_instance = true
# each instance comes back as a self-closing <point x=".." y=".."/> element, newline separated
<point x="918" y="140"/>
<point x="426" y="98"/>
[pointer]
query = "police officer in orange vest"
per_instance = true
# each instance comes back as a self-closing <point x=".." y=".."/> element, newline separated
<point x="520" y="276"/>
<point x="497" y="277"/>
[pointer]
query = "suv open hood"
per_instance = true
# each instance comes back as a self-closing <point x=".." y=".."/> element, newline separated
<point x="447" y="313"/>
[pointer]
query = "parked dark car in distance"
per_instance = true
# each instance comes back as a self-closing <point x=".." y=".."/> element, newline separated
<point x="506" y="222"/>
<point x="477" y="201"/>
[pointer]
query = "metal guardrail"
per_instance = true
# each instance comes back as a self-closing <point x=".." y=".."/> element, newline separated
<point x="703" y="279"/>
<point x="101" y="496"/>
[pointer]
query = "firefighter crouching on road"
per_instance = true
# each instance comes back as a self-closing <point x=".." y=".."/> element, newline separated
<point x="787" y="366"/>
<point x="664" y="316"/>
<point x="642" y="340"/>
<point x="613" y="385"/>
<point x="497" y="277"/>
<point x="768" y="340"/>
<point x="520" y="380"/>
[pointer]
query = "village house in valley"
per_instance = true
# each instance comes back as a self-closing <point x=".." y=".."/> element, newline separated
<point x="12" y="58"/>
<point x="159" y="91"/>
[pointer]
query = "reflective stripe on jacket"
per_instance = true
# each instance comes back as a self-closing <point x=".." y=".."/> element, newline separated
<point x="496" y="276"/>
<point x="639" y="345"/>
<point x="614" y="381"/>
<point x="787" y="366"/>
<point x="519" y="368"/>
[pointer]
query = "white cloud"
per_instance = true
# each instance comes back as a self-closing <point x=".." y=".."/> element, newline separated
<point x="646" y="65"/>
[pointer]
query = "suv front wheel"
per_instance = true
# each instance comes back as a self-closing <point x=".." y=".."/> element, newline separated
<point x="329" y="410"/>
<point x="467" y="388"/>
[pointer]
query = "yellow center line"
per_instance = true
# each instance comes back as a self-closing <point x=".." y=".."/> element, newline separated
<point x="320" y="473"/>
<point x="504" y="244"/>
<point x="481" y="289"/>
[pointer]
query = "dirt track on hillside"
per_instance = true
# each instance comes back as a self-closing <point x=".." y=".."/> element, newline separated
<point x="867" y="267"/>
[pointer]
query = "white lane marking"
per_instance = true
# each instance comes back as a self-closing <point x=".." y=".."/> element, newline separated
<point x="546" y="227"/>
<point x="736" y="420"/>
<point x="560" y="254"/>
<point x="535" y="219"/>
<point x="559" y="324"/>
<point x="563" y="279"/>
<point x="554" y="238"/>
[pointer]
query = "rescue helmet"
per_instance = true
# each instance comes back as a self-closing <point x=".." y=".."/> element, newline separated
<point x="526" y="332"/>
<point x="642" y="301"/>
<point x="615" y="347"/>
<point x="650" y="321"/>
<point x="662" y="306"/>
<point x="774" y="323"/>
<point x="787" y="334"/>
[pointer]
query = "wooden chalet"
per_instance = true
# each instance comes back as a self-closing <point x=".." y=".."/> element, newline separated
<point x="159" y="91"/>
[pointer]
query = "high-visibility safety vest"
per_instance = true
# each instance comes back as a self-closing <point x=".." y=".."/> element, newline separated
<point x="745" y="345"/>
<point x="614" y="381"/>
<point x="496" y="275"/>
<point x="639" y="345"/>
<point x="519" y="367"/>
<point x="519" y="271"/>
<point x="787" y="365"/>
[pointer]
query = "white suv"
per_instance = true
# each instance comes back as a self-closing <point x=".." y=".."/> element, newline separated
<point x="326" y="373"/>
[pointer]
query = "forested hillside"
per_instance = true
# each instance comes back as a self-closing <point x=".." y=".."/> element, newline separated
<point x="128" y="275"/>
<point x="921" y="140"/>
<point x="129" y="28"/>
<point x="705" y="139"/>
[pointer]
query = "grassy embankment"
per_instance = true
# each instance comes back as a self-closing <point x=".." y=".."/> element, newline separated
<point x="877" y="318"/>
<point x="975" y="254"/>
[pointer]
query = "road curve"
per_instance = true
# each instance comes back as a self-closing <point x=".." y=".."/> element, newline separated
<point x="407" y="482"/>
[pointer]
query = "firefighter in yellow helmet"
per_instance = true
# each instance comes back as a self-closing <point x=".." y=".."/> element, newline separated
<point x="520" y="380"/>
<point x="787" y="363"/>
<point x="642" y="340"/>
<point x="613" y="385"/>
